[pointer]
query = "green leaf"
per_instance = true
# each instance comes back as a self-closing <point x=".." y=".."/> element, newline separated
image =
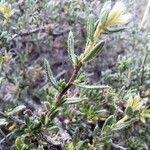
<point x="54" y="114"/>
<point x="94" y="52"/>
<point x="108" y="122"/>
<point x="96" y="24"/>
<point x="75" y="137"/>
<point x="122" y="126"/>
<point x="90" y="28"/>
<point x="1" y="80"/>
<point x="106" y="139"/>
<point x="47" y="120"/>
<point x="114" y="30"/>
<point x="102" y="112"/>
<point x="105" y="12"/>
<point x="16" y="110"/>
<point x="50" y="76"/>
<point x="3" y="122"/>
<point x="47" y="105"/>
<point x="94" y="87"/>
<point x="74" y="100"/>
<point x="129" y="112"/>
<point x="125" y="124"/>
<point x="96" y="130"/>
<point x="81" y="144"/>
<point x="19" y="143"/>
<point x="71" y="48"/>
<point x="27" y="119"/>
<point x="36" y="125"/>
<point x="62" y="84"/>
<point x="52" y="128"/>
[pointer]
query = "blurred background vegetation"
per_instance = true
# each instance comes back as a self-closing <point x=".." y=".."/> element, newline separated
<point x="38" y="29"/>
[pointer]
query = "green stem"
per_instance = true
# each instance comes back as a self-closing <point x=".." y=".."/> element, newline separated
<point x="72" y="78"/>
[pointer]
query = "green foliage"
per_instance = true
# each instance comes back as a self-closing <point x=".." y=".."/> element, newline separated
<point x="71" y="48"/>
<point x="50" y="74"/>
<point x="94" y="52"/>
<point x="72" y="111"/>
<point x="90" y="28"/>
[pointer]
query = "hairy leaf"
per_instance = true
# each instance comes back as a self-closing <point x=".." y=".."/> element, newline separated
<point x="105" y="12"/>
<point x="16" y="110"/>
<point x="50" y="76"/>
<point x="94" y="52"/>
<point x="74" y="100"/>
<point x="93" y="86"/>
<point x="3" y="122"/>
<point x="108" y="122"/>
<point x="90" y="28"/>
<point x="71" y="48"/>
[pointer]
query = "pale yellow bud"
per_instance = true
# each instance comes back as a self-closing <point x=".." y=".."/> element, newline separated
<point x="117" y="15"/>
<point x="6" y="10"/>
<point x="145" y="114"/>
<point x="135" y="103"/>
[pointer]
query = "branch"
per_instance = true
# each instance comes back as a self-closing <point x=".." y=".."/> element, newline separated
<point x="7" y="136"/>
<point x="42" y="28"/>
<point x="143" y="70"/>
<point x="17" y="121"/>
<point x="118" y="147"/>
<point x="145" y="14"/>
<point x="73" y="77"/>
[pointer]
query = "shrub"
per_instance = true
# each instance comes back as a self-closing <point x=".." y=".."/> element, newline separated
<point x="74" y="115"/>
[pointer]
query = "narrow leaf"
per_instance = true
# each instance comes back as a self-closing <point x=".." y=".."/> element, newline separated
<point x="16" y="110"/>
<point x="54" y="114"/>
<point x="47" y="120"/>
<point x="74" y="100"/>
<point x="103" y="111"/>
<point x="19" y="143"/>
<point x="96" y="130"/>
<point x="75" y="137"/>
<point x="27" y="119"/>
<point x="52" y="128"/>
<point x="114" y="30"/>
<point x="106" y="139"/>
<point x="90" y="28"/>
<point x="93" y="53"/>
<point x="3" y="122"/>
<point x="96" y="23"/>
<point x="105" y="12"/>
<point x="47" y="105"/>
<point x="93" y="86"/>
<point x="129" y="112"/>
<point x="50" y="76"/>
<point x="108" y="122"/>
<point x="122" y="126"/>
<point x="1" y="80"/>
<point x="71" y="48"/>
<point x="81" y="144"/>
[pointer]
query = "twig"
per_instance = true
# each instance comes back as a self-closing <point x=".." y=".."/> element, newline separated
<point x="73" y="77"/>
<point x="47" y="83"/>
<point x="50" y="141"/>
<point x="17" y="121"/>
<point x="118" y="147"/>
<point x="63" y="132"/>
<point x="2" y="133"/>
<point x="60" y="74"/>
<point x="145" y="14"/>
<point x="7" y="136"/>
<point x="143" y="70"/>
<point x="43" y="28"/>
